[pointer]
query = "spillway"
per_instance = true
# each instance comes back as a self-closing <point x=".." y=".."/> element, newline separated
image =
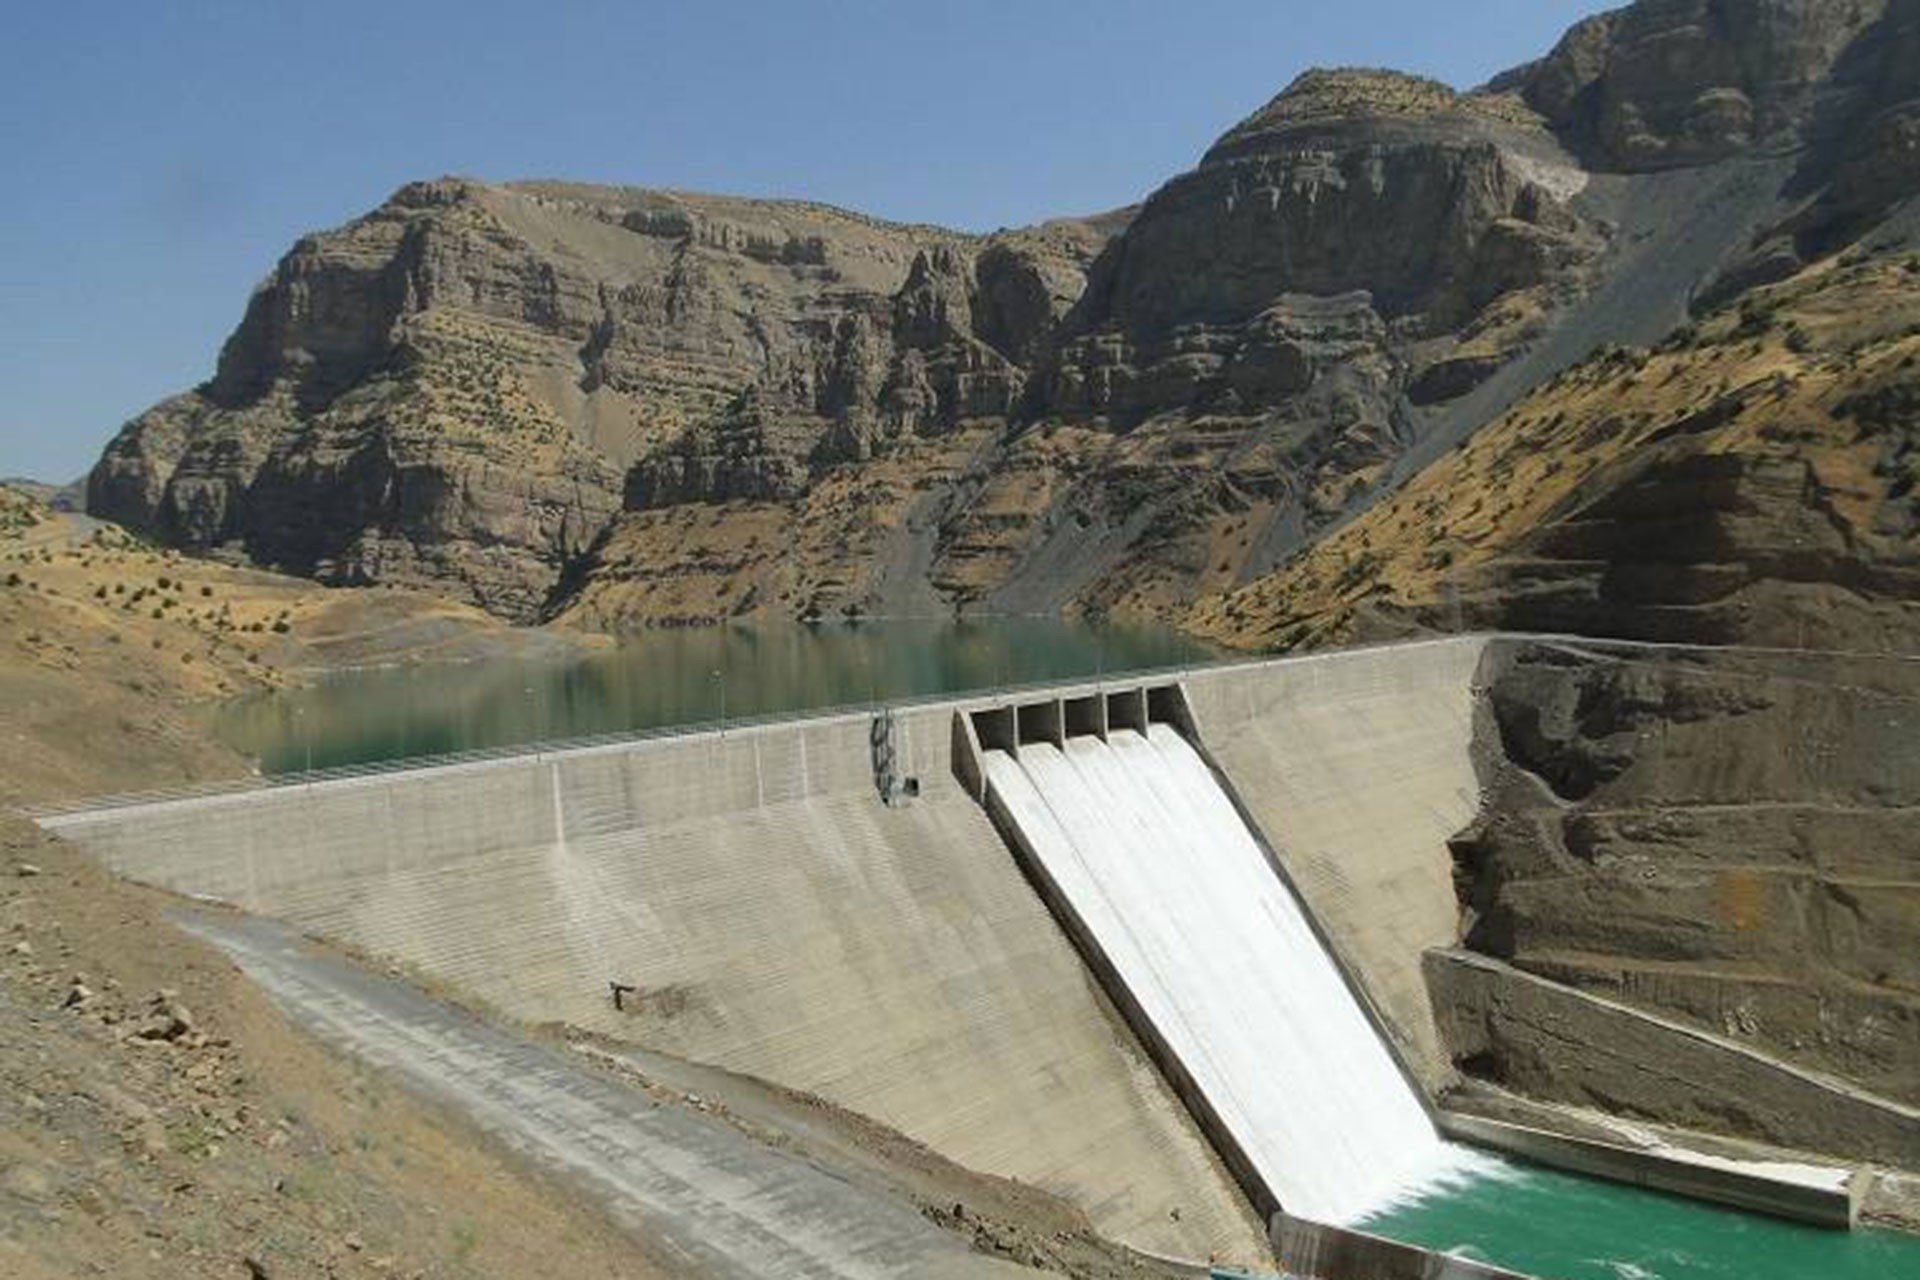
<point x="1155" y="861"/>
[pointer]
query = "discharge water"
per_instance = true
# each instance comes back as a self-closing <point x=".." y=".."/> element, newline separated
<point x="1163" y="872"/>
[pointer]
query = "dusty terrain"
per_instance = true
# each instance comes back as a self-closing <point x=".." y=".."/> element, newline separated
<point x="236" y="1145"/>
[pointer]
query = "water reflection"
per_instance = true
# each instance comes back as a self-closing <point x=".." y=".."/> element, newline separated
<point x="670" y="678"/>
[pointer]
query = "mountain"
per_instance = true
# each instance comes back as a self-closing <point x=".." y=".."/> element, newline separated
<point x="1751" y="477"/>
<point x="620" y="407"/>
<point x="461" y="387"/>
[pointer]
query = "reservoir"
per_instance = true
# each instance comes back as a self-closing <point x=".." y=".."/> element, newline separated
<point x="659" y="679"/>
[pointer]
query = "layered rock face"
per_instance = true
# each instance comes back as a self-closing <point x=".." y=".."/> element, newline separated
<point x="1729" y="840"/>
<point x="463" y="386"/>
<point x="598" y="403"/>
<point x="1665" y="83"/>
<point x="1258" y="338"/>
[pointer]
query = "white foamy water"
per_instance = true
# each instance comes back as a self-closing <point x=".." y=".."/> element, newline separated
<point x="1155" y="859"/>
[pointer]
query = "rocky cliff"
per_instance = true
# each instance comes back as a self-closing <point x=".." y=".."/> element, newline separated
<point x="623" y="407"/>
<point x="1751" y="479"/>
<point x="1730" y="839"/>
<point x="464" y="386"/>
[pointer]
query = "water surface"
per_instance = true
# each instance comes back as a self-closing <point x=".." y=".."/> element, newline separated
<point x="1562" y="1226"/>
<point x="664" y="678"/>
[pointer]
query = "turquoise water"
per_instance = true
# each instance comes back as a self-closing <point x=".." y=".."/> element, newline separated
<point x="1560" y="1226"/>
<point x="665" y="678"/>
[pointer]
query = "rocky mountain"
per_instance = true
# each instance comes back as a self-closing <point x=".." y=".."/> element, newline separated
<point x="625" y="407"/>
<point x="1751" y="479"/>
<point x="464" y="385"/>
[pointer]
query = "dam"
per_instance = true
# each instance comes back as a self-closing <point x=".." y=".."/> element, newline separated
<point x="1074" y="936"/>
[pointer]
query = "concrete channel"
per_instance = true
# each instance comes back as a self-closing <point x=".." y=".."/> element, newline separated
<point x="717" y="1203"/>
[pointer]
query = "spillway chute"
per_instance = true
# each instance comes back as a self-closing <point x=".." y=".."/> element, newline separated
<point x="1151" y="866"/>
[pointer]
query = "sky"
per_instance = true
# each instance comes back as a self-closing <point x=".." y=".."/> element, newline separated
<point x="157" y="159"/>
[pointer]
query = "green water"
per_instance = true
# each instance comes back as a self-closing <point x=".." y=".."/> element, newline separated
<point x="665" y="678"/>
<point x="1564" y="1227"/>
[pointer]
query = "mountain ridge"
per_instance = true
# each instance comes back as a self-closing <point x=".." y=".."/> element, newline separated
<point x="621" y="406"/>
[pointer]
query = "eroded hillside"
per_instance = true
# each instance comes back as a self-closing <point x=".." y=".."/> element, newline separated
<point x="626" y="407"/>
<point x="1751" y="479"/>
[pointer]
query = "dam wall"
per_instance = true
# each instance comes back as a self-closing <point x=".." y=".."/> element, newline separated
<point x="1357" y="768"/>
<point x="773" y="916"/>
<point x="826" y="904"/>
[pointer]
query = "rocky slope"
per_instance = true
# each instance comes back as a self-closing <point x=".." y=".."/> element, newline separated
<point x="462" y="386"/>
<point x="1729" y="839"/>
<point x="625" y="407"/>
<point x="1752" y="479"/>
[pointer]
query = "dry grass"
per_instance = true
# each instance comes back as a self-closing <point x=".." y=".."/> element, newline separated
<point x="1764" y="378"/>
<point x="110" y="649"/>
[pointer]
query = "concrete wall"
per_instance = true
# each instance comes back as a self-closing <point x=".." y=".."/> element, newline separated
<point x="781" y="921"/>
<point x="1678" y="1173"/>
<point x="1356" y="768"/>
<point x="776" y="918"/>
<point x="1566" y="1045"/>
<point x="1310" y="1249"/>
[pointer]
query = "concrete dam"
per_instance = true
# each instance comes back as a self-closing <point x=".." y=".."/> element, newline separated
<point x="1157" y="948"/>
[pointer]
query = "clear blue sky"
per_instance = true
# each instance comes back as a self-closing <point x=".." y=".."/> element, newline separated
<point x="156" y="158"/>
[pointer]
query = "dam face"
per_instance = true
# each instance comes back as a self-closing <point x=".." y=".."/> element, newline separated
<point x="776" y="917"/>
<point x="846" y="905"/>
